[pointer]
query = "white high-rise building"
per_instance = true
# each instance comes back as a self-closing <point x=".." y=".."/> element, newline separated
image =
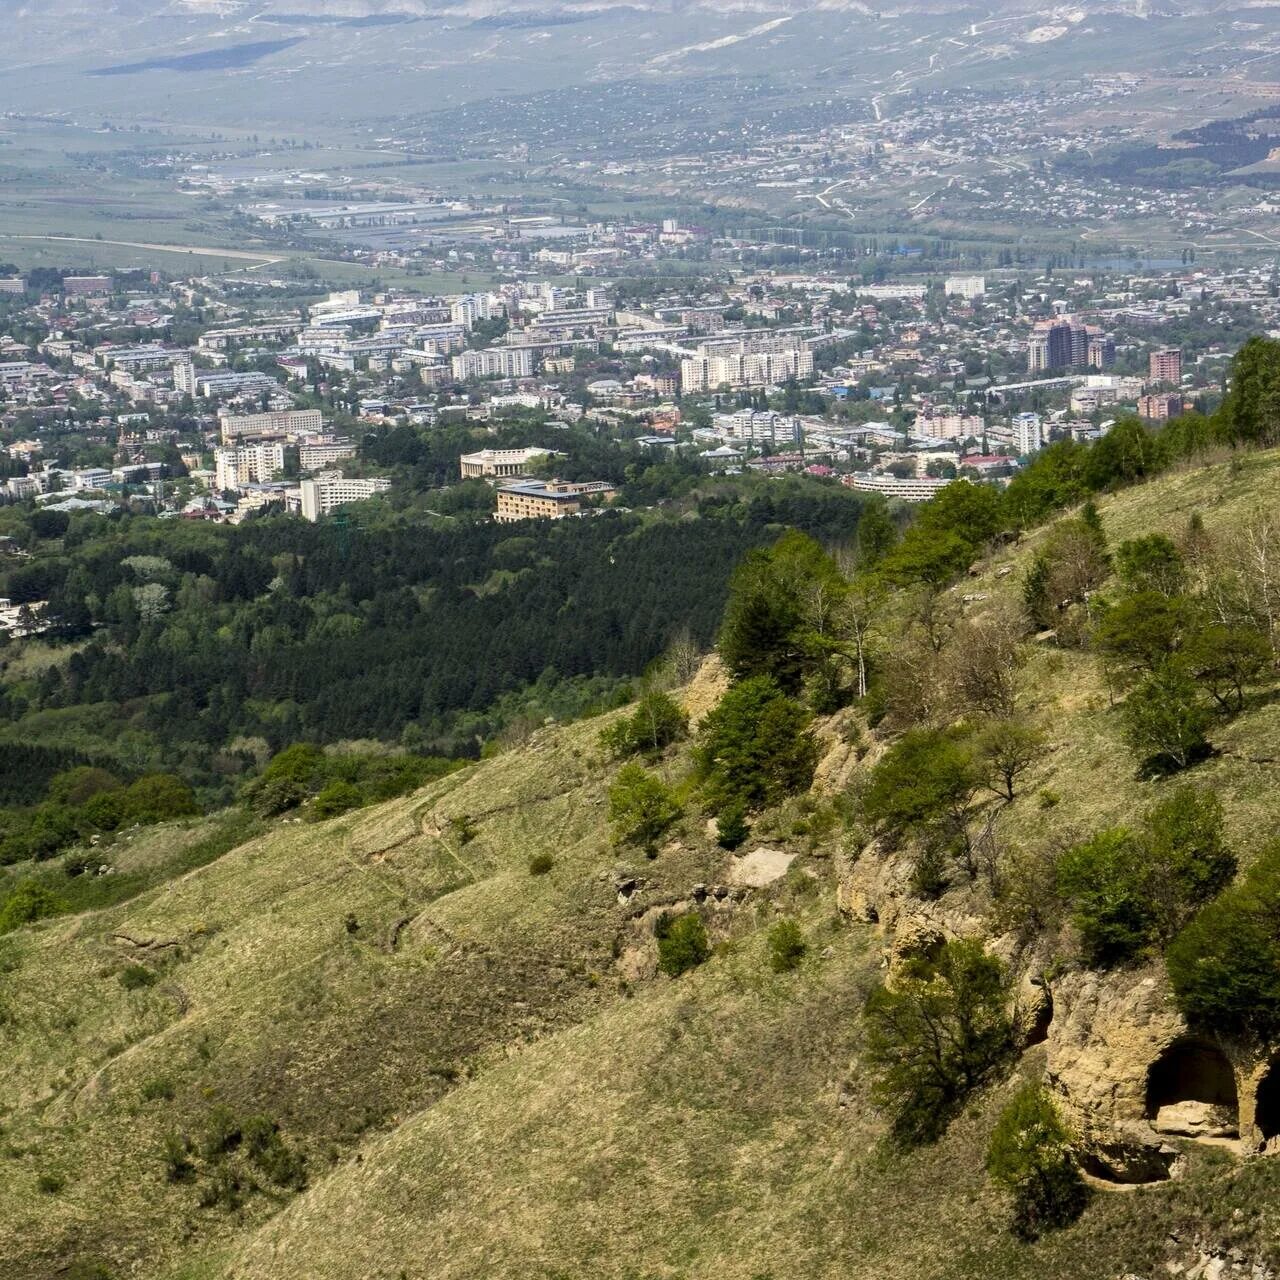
<point x="238" y="465"/>
<point x="476" y="306"/>
<point x="494" y="362"/>
<point x="1027" y="433"/>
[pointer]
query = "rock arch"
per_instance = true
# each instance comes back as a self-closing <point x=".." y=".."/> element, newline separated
<point x="1191" y="1091"/>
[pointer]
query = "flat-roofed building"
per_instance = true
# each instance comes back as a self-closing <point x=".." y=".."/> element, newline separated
<point x="287" y="422"/>
<point x="240" y="464"/>
<point x="549" y="499"/>
<point x="913" y="489"/>
<point x="327" y="492"/>
<point x="491" y="464"/>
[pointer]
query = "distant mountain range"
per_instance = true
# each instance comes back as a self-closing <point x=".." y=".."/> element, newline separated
<point x="333" y="61"/>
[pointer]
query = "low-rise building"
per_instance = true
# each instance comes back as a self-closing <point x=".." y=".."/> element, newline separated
<point x="549" y="499"/>
<point x="491" y="464"/>
<point x="915" y="489"/>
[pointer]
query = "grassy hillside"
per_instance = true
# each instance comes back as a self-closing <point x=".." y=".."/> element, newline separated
<point x="484" y="1073"/>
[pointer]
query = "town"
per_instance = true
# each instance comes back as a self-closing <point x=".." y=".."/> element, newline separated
<point x="892" y="388"/>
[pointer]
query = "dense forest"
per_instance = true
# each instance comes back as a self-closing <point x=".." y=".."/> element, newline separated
<point x="195" y="644"/>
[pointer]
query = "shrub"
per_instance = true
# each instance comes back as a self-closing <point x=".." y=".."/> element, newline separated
<point x="268" y="1151"/>
<point x="786" y="946"/>
<point x="731" y="825"/>
<point x="177" y="1158"/>
<point x="29" y="901"/>
<point x="135" y="976"/>
<point x="1225" y="964"/>
<point x="335" y="798"/>
<point x="755" y="747"/>
<point x="464" y="828"/>
<point x="224" y="1189"/>
<point x="941" y="1031"/>
<point x="641" y="808"/>
<point x="222" y="1134"/>
<point x="158" y="1089"/>
<point x="50" y="1184"/>
<point x="682" y="943"/>
<point x="540" y="864"/>
<point x="1030" y="1156"/>
<point x="1130" y="889"/>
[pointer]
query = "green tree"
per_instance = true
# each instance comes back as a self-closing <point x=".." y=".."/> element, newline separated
<point x="641" y="808"/>
<point x="1132" y="889"/>
<point x="940" y="1031"/>
<point x="1225" y="660"/>
<point x="782" y="615"/>
<point x="1030" y="1157"/>
<point x="158" y="797"/>
<point x="755" y="747"/>
<point x="732" y="827"/>
<point x="1224" y="967"/>
<point x="1166" y="719"/>
<point x="1071" y="564"/>
<point x="335" y="798"/>
<point x="656" y="723"/>
<point x="1004" y="750"/>
<point x="1105" y="880"/>
<point x="1151" y="563"/>
<point x="1141" y="631"/>
<point x="924" y="785"/>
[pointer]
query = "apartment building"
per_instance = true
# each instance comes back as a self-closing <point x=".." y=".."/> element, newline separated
<point x="209" y="384"/>
<point x="1159" y="408"/>
<point x="493" y="362"/>
<point x="548" y="499"/>
<point x="235" y="466"/>
<point x="951" y="426"/>
<point x="331" y="490"/>
<point x="1165" y="365"/>
<point x="476" y="306"/>
<point x="760" y="426"/>
<point x="286" y="422"/>
<point x="324" y="450"/>
<point x="966" y="287"/>
<point x="762" y="369"/>
<point x="915" y="489"/>
<point x="1028" y="434"/>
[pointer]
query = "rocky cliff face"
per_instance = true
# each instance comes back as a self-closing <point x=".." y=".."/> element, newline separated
<point x="1130" y="1075"/>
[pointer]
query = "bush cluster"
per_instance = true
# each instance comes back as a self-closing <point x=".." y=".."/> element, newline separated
<point x="329" y="785"/>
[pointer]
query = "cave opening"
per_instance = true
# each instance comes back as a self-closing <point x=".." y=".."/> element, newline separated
<point x="1191" y="1091"/>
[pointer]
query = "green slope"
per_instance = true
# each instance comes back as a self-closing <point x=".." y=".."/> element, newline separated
<point x="486" y="1076"/>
